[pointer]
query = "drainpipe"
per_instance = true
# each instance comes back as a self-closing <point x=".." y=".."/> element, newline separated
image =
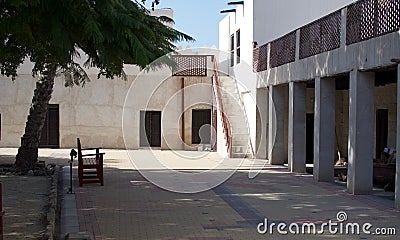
<point x="183" y="110"/>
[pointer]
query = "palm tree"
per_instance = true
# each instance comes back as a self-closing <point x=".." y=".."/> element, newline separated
<point x="50" y="33"/>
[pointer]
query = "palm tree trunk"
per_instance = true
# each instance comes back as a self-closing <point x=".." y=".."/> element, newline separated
<point x="28" y="151"/>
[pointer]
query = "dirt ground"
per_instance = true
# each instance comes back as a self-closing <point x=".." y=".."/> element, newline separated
<point x="25" y="203"/>
<point x="25" y="200"/>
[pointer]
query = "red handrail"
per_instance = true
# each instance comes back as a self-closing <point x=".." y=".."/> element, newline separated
<point x="225" y="120"/>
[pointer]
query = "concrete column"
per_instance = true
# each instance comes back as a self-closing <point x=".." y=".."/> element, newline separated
<point x="343" y="28"/>
<point x="276" y="138"/>
<point x="268" y="54"/>
<point x="297" y="54"/>
<point x="324" y="129"/>
<point x="361" y="132"/>
<point x="262" y="123"/>
<point x="297" y="127"/>
<point x="397" y="191"/>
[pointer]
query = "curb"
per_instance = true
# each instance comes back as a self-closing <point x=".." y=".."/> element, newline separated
<point x="51" y="215"/>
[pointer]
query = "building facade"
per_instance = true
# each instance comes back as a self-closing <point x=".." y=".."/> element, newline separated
<point x="162" y="112"/>
<point x="329" y="92"/>
<point x="252" y="23"/>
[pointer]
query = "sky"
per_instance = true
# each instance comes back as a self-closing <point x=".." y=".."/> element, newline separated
<point x="198" y="18"/>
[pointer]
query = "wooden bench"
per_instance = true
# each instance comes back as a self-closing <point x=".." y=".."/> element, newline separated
<point x="90" y="168"/>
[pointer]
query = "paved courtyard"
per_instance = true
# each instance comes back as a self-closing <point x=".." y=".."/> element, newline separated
<point x="130" y="207"/>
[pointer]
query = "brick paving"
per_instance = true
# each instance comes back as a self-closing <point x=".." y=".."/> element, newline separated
<point x="86" y="213"/>
<point x="130" y="207"/>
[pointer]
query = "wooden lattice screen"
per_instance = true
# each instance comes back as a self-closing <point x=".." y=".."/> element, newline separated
<point x="283" y="50"/>
<point x="186" y="65"/>
<point x="260" y="58"/>
<point x="367" y="19"/>
<point x="320" y="36"/>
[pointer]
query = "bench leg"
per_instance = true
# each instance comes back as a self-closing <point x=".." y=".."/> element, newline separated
<point x="80" y="176"/>
<point x="100" y="172"/>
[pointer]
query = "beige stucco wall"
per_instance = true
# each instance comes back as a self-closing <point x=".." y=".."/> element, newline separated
<point x="94" y="112"/>
<point x="196" y="90"/>
<point x="15" y="98"/>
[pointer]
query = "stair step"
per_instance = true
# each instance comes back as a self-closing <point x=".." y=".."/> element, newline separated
<point x="230" y="86"/>
<point x="240" y="142"/>
<point x="235" y="112"/>
<point x="236" y="131"/>
<point x="230" y="94"/>
<point x="232" y="101"/>
<point x="227" y="80"/>
<point x="238" y="120"/>
<point x="240" y="155"/>
<point x="240" y="137"/>
<point x="241" y="149"/>
<point x="234" y="106"/>
<point x="239" y="127"/>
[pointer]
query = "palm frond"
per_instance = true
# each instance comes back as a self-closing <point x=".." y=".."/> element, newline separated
<point x="74" y="74"/>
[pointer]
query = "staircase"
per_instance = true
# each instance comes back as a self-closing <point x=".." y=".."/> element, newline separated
<point x="241" y="145"/>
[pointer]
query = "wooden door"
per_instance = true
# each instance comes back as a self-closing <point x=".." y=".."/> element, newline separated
<point x="50" y="137"/>
<point x="199" y="119"/>
<point x="310" y="138"/>
<point x="150" y="130"/>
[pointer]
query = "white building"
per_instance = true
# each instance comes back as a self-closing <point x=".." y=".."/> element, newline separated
<point x="329" y="88"/>
<point x="256" y="22"/>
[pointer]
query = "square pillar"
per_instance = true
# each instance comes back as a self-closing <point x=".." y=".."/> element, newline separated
<point x="361" y="132"/>
<point x="324" y="129"/>
<point x="276" y="138"/>
<point x="297" y="127"/>
<point x="262" y="99"/>
<point x="397" y="183"/>
<point x="297" y="54"/>
<point x="343" y="28"/>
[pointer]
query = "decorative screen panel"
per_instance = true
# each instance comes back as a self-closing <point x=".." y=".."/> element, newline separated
<point x="283" y="50"/>
<point x="320" y="36"/>
<point x="260" y="58"/>
<point x="190" y="66"/>
<point x="367" y="19"/>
